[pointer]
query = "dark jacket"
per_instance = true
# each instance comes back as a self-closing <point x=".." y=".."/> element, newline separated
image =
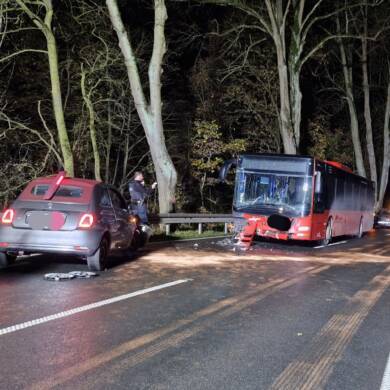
<point x="138" y="192"/>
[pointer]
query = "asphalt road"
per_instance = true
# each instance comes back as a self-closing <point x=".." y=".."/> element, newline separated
<point x="198" y="315"/>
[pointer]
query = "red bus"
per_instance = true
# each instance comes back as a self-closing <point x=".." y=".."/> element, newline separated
<point x="298" y="197"/>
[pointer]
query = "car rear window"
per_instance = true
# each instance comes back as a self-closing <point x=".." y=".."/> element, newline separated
<point x="66" y="193"/>
<point x="63" y="191"/>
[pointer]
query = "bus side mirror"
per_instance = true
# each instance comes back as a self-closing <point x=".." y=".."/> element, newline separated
<point x="225" y="169"/>
<point x="318" y="184"/>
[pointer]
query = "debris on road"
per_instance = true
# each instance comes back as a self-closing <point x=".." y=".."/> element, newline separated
<point x="225" y="242"/>
<point x="83" y="274"/>
<point x="58" y="276"/>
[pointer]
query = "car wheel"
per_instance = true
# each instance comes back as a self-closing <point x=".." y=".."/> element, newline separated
<point x="140" y="238"/>
<point x="328" y="234"/>
<point x="360" y="231"/>
<point x="98" y="261"/>
<point x="6" y="259"/>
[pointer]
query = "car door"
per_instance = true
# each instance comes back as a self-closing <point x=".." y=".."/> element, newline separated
<point x="125" y="228"/>
<point x="107" y="216"/>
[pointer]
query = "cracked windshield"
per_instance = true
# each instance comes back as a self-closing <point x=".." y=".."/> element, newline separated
<point x="291" y="194"/>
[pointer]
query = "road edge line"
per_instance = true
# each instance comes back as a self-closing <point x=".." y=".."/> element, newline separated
<point x="386" y="376"/>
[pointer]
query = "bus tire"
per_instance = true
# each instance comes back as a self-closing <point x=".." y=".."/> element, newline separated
<point x="328" y="233"/>
<point x="360" y="231"/>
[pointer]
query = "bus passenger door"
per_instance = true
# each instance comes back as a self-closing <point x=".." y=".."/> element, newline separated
<point x="320" y="212"/>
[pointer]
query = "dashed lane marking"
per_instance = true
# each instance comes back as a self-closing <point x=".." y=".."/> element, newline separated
<point x="386" y="377"/>
<point x="91" y="306"/>
<point x="314" y="365"/>
<point x="136" y="351"/>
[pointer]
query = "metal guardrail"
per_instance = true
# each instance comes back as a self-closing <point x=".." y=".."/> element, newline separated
<point x="199" y="219"/>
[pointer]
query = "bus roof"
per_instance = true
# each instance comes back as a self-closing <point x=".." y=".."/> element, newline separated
<point x="296" y="157"/>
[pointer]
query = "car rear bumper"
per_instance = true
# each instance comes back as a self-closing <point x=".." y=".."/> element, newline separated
<point x="77" y="242"/>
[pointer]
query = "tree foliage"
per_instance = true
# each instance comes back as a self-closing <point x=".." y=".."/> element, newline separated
<point x="209" y="150"/>
<point x="220" y="89"/>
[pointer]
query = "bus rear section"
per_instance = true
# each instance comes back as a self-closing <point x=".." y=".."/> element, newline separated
<point x="343" y="203"/>
<point x="296" y="197"/>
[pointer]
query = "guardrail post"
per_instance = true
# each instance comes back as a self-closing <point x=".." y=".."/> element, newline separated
<point x="200" y="228"/>
<point x="167" y="229"/>
<point x="225" y="229"/>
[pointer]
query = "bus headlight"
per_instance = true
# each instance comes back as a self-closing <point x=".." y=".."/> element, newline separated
<point x="303" y="228"/>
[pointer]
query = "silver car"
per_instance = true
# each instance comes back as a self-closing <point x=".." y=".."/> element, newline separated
<point x="57" y="214"/>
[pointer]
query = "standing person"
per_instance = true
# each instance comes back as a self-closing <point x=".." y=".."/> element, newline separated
<point x="139" y="195"/>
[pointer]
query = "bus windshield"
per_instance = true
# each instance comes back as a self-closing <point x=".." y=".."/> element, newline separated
<point x="281" y="193"/>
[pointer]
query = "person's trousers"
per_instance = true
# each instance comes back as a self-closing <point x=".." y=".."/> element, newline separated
<point x="142" y="212"/>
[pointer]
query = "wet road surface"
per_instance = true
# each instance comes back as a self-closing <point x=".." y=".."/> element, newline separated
<point x="199" y="315"/>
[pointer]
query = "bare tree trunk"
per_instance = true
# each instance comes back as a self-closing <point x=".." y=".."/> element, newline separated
<point x="386" y="152"/>
<point x="347" y="72"/>
<point x="368" y="120"/>
<point x="150" y="115"/>
<point x="125" y="158"/>
<point x="109" y="143"/>
<point x="367" y="111"/>
<point x="296" y="106"/>
<point x="57" y="106"/>
<point x="45" y="27"/>
<point x="294" y="62"/>
<point x="201" y="190"/>
<point x="277" y="31"/>
<point x="287" y="130"/>
<point x="92" y="128"/>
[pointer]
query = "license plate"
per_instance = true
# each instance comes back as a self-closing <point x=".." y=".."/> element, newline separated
<point x="46" y="220"/>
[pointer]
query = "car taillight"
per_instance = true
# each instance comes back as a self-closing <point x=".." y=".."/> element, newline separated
<point x="8" y="216"/>
<point x="86" y="221"/>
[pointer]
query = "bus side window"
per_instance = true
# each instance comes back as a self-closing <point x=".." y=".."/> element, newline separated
<point x="363" y="198"/>
<point x="340" y="190"/>
<point x="330" y="182"/>
<point x="371" y="196"/>
<point x="337" y="194"/>
<point x="358" y="195"/>
<point x="348" y="194"/>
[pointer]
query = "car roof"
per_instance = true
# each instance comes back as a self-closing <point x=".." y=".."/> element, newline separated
<point x="70" y="181"/>
<point x="87" y="184"/>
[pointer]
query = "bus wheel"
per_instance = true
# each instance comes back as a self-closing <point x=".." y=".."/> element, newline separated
<point x="328" y="234"/>
<point x="360" y="231"/>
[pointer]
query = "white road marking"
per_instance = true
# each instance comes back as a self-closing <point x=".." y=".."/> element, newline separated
<point x="91" y="306"/>
<point x="333" y="243"/>
<point x="386" y="376"/>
